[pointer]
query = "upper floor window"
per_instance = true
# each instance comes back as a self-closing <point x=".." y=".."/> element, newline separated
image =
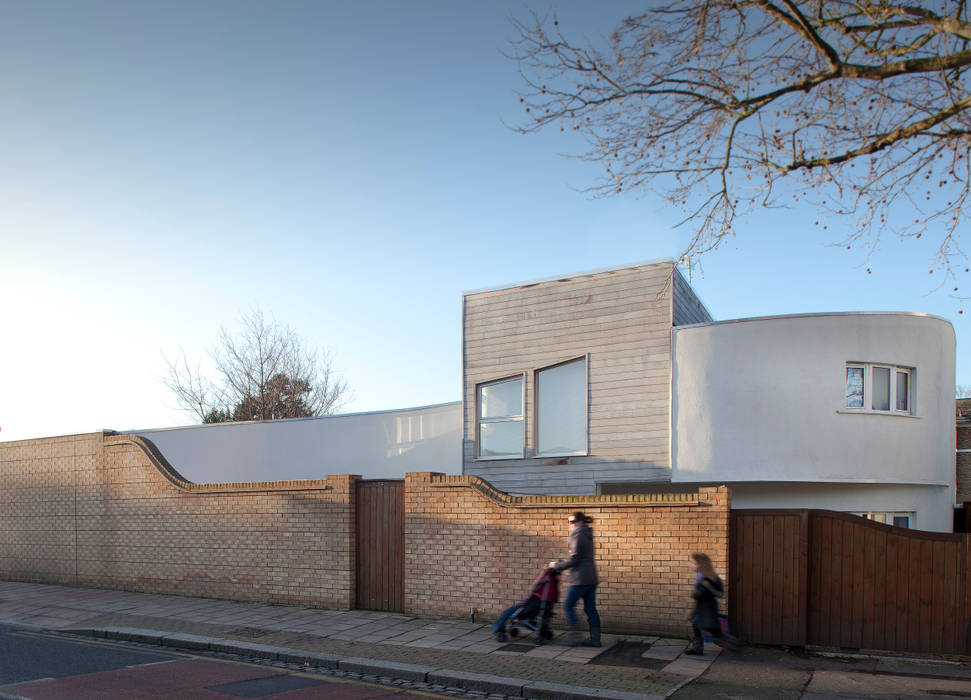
<point x="879" y="388"/>
<point x="500" y="418"/>
<point x="561" y="409"/>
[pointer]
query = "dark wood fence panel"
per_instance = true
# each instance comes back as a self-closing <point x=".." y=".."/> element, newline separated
<point x="880" y="587"/>
<point x="832" y="579"/>
<point x="767" y="585"/>
<point x="381" y="545"/>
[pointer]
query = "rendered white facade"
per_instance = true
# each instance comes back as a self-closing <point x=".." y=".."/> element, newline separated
<point x="379" y="445"/>
<point x="760" y="404"/>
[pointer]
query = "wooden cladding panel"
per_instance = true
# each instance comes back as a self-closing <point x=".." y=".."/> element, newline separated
<point x="381" y="545"/>
<point x="621" y="320"/>
<point x="855" y="584"/>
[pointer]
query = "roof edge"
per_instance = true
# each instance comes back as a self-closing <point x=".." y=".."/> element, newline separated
<point x="571" y="275"/>
<point x="918" y="314"/>
<point x="290" y="420"/>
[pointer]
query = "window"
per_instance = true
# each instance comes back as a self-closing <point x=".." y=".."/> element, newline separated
<point x="500" y="418"/>
<point x="879" y="388"/>
<point x="888" y="518"/>
<point x="561" y="409"/>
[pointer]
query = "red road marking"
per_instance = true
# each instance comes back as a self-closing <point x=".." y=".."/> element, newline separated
<point x="186" y="679"/>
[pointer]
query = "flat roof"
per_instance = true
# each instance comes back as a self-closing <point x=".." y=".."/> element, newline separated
<point x="571" y="275"/>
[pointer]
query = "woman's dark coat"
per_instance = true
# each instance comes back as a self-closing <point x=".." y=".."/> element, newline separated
<point x="580" y="560"/>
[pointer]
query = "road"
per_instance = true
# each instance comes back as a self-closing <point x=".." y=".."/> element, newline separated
<point x="43" y="666"/>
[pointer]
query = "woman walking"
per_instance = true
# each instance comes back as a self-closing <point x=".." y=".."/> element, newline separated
<point x="708" y="588"/>
<point x="583" y="577"/>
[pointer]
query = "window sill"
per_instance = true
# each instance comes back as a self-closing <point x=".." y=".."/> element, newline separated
<point x="864" y="412"/>
<point x="499" y="458"/>
<point x="555" y="455"/>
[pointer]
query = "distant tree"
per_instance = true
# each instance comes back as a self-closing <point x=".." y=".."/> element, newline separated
<point x="862" y="105"/>
<point x="265" y="373"/>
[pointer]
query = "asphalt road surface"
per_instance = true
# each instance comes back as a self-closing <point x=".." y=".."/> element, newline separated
<point x="48" y="667"/>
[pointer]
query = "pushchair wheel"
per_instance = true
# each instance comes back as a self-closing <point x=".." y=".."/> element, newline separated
<point x="546" y="633"/>
<point x="514" y="632"/>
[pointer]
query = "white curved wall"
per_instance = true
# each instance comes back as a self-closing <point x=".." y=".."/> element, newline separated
<point x="380" y="445"/>
<point x="762" y="400"/>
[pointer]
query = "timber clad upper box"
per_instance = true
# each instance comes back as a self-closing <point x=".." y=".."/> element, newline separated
<point x="567" y="382"/>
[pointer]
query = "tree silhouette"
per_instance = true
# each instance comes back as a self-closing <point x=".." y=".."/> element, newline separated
<point x="265" y="373"/>
<point x="860" y="108"/>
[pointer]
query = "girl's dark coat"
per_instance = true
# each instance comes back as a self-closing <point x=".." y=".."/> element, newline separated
<point x="706" y="594"/>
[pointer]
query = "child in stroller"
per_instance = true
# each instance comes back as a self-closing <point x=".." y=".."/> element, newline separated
<point x="535" y="612"/>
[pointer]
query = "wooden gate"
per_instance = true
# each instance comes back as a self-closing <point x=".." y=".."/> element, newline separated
<point x="820" y="577"/>
<point x="381" y="545"/>
<point x="767" y="583"/>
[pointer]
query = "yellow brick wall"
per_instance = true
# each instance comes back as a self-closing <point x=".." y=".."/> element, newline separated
<point x="470" y="547"/>
<point x="106" y="511"/>
<point x="101" y="512"/>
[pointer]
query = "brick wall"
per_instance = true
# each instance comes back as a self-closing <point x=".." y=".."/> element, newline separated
<point x="38" y="533"/>
<point x="963" y="462"/>
<point x="468" y="545"/>
<point x="109" y="512"/>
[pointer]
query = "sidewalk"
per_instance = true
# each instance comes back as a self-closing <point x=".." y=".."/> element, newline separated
<point x="435" y="654"/>
<point x="445" y="653"/>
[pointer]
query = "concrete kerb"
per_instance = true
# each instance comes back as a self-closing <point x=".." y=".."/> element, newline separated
<point x="391" y="669"/>
<point x="556" y="691"/>
<point x="516" y="687"/>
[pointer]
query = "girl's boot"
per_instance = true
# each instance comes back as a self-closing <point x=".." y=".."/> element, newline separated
<point x="696" y="647"/>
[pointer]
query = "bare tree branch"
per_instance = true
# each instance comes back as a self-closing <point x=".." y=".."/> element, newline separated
<point x="265" y="373"/>
<point x="862" y="108"/>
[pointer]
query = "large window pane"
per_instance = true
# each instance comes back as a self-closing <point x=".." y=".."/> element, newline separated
<point x="881" y="389"/>
<point x="561" y="409"/>
<point x="502" y="399"/>
<point x="502" y="439"/>
<point x="854" y="387"/>
<point x="903" y="391"/>
<point x="501" y="418"/>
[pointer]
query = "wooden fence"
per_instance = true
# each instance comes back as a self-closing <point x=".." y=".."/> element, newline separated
<point x="824" y="578"/>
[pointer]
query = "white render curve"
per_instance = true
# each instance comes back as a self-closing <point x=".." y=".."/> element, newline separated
<point x="761" y="402"/>
<point x="377" y="445"/>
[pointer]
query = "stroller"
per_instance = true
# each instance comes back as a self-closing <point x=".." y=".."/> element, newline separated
<point x="534" y="613"/>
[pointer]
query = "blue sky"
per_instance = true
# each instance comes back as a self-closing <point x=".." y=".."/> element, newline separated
<point x="344" y="167"/>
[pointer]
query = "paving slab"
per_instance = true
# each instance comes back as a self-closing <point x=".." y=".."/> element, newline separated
<point x="663" y="653"/>
<point x="826" y="684"/>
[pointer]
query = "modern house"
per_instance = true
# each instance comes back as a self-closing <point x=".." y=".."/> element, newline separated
<point x="619" y="381"/>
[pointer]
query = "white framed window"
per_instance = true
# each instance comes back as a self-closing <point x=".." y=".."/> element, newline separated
<point x="878" y="388"/>
<point x="561" y="409"/>
<point x="499" y="419"/>
<point x="895" y="518"/>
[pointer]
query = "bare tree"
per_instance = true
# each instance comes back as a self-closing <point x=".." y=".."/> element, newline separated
<point x="265" y="372"/>
<point x="862" y="106"/>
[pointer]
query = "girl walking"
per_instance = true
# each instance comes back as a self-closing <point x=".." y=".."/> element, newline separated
<point x="707" y="589"/>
